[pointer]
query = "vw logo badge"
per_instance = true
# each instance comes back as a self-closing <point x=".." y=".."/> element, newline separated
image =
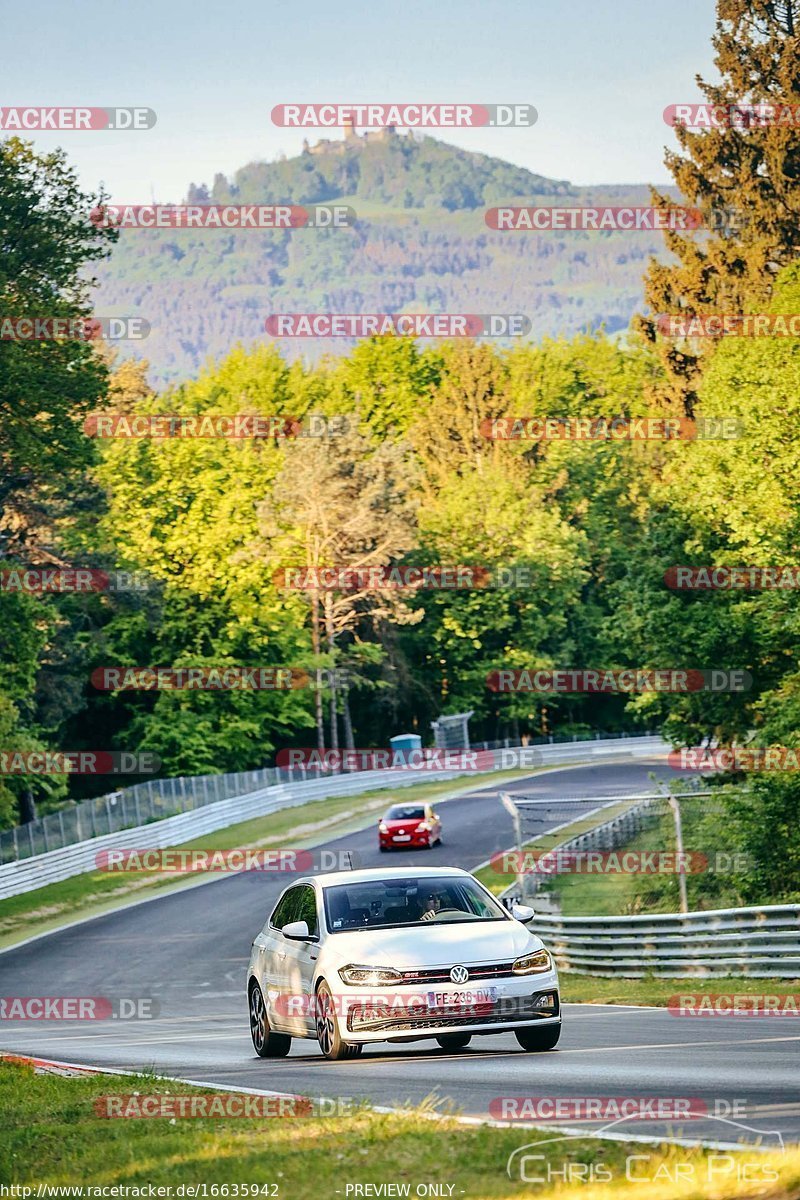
<point x="459" y="974"/>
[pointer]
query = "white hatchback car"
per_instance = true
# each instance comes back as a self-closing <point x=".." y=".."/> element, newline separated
<point x="398" y="955"/>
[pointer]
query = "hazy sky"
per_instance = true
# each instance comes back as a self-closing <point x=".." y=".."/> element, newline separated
<point x="600" y="73"/>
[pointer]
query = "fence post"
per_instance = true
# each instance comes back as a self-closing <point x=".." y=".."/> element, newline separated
<point x="16" y="845"/>
<point x="61" y="828"/>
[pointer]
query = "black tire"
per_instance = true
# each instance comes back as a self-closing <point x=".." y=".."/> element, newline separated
<point x="454" y="1041"/>
<point x="266" y="1043"/>
<point x="329" y="1036"/>
<point x="538" y="1037"/>
<point x="383" y="849"/>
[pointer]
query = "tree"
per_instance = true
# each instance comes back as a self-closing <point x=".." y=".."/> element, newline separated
<point x="744" y="178"/>
<point x="341" y="502"/>
<point x="46" y="386"/>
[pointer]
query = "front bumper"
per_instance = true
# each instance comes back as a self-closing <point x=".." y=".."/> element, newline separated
<point x="523" y="1001"/>
<point x="416" y="840"/>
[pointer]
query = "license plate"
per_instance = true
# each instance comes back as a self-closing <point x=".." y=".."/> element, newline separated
<point x="402" y="837"/>
<point x="469" y="998"/>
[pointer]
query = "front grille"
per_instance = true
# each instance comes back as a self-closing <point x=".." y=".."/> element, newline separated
<point x="442" y="974"/>
<point x="371" y="1018"/>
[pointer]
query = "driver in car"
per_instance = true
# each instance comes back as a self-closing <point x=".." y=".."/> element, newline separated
<point x="433" y="905"/>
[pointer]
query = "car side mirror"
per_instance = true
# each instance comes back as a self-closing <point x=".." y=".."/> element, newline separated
<point x="522" y="912"/>
<point x="297" y="931"/>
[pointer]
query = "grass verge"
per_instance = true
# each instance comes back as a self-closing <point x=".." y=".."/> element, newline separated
<point x="595" y="989"/>
<point x="53" y="1136"/>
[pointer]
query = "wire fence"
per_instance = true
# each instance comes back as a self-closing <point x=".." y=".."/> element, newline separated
<point x="139" y="804"/>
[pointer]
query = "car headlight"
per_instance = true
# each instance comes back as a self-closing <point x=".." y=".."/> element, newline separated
<point x="383" y="827"/>
<point x="357" y="975"/>
<point x="423" y="827"/>
<point x="532" y="964"/>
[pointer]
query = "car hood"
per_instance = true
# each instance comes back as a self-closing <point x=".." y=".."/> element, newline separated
<point x="430" y="945"/>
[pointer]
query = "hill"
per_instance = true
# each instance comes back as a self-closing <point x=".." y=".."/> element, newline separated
<point x="420" y="243"/>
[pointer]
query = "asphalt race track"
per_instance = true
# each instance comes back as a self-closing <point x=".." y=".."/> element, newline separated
<point x="189" y="951"/>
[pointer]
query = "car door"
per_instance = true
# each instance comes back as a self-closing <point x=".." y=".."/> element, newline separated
<point x="271" y="945"/>
<point x="300" y="963"/>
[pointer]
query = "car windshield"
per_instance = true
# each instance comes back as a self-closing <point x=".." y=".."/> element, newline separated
<point x="405" y="812"/>
<point x="384" y="903"/>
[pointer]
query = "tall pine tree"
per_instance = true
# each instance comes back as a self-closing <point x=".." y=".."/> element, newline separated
<point x="743" y="177"/>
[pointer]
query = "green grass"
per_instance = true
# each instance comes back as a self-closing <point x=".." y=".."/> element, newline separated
<point x="52" y="1135"/>
<point x="96" y="892"/>
<point x="593" y="989"/>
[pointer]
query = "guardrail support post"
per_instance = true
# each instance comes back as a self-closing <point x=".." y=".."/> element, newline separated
<point x="676" y="812"/>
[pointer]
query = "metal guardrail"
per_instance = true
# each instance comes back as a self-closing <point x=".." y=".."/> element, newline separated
<point x="758" y="942"/>
<point x="26" y="874"/>
<point x="152" y="800"/>
<point x="761" y="942"/>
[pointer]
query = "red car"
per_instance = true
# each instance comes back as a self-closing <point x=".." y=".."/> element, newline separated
<point x="407" y="825"/>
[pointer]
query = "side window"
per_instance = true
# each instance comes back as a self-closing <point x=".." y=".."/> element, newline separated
<point x="286" y="909"/>
<point x="307" y="909"/>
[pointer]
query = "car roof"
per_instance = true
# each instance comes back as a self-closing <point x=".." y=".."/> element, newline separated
<point x="374" y="874"/>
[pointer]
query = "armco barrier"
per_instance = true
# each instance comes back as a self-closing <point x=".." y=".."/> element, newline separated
<point x="27" y="874"/>
<point x="760" y="942"/>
